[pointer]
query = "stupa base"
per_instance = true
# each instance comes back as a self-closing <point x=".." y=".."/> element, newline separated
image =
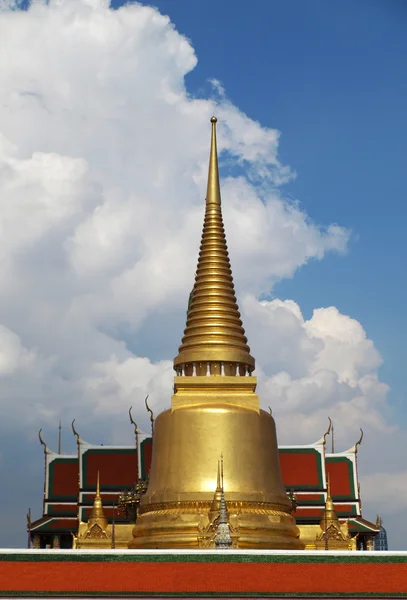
<point x="186" y="525"/>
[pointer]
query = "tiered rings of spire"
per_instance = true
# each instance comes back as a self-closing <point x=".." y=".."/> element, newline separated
<point x="214" y="341"/>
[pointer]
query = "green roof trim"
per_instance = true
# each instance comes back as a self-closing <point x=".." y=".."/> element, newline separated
<point x="207" y="557"/>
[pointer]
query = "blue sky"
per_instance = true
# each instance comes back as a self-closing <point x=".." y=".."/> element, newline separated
<point x="100" y="328"/>
<point x="331" y="76"/>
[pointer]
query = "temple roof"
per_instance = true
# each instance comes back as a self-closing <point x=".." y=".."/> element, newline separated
<point x="54" y="525"/>
<point x="362" y="526"/>
<point x="70" y="481"/>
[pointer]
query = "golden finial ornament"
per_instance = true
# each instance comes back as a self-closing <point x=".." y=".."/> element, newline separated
<point x="214" y="330"/>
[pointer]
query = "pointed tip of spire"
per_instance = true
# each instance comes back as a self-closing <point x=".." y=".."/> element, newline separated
<point x="97" y="486"/>
<point x="213" y="189"/>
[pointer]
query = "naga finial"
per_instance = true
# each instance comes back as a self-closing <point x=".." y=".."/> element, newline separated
<point x="132" y="421"/>
<point x="359" y="440"/>
<point x="42" y="441"/>
<point x="328" y="431"/>
<point x="271" y="412"/>
<point x="152" y="419"/>
<point x="75" y="432"/>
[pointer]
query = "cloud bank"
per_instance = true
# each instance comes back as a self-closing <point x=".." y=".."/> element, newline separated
<point x="103" y="163"/>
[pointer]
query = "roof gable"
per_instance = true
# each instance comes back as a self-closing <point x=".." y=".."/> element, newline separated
<point x="343" y="476"/>
<point x="302" y="467"/>
<point x="61" y="478"/>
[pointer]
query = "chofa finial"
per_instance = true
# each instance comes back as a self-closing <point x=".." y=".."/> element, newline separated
<point x="359" y="440"/>
<point x="42" y="441"/>
<point x="328" y="431"/>
<point x="132" y="421"/>
<point x="151" y="414"/>
<point x="78" y="439"/>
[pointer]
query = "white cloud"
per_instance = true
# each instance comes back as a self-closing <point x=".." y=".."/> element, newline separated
<point x="103" y="161"/>
<point x="102" y="177"/>
<point x="14" y="358"/>
<point x="113" y="384"/>
<point x="309" y="370"/>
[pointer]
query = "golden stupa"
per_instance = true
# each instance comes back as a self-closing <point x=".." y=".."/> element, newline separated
<point x="95" y="533"/>
<point x="333" y="534"/>
<point x="215" y="410"/>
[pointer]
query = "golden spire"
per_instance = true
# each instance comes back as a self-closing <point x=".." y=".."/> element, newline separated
<point x="215" y="506"/>
<point x="214" y="331"/>
<point x="97" y="516"/>
<point x="329" y="515"/>
<point x="223" y="538"/>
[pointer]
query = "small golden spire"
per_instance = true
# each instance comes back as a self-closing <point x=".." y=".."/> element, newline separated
<point x="332" y="537"/>
<point x="214" y="330"/>
<point x="97" y="515"/>
<point x="218" y="484"/>
<point x="215" y="506"/>
<point x="223" y="538"/>
<point x="329" y="515"/>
